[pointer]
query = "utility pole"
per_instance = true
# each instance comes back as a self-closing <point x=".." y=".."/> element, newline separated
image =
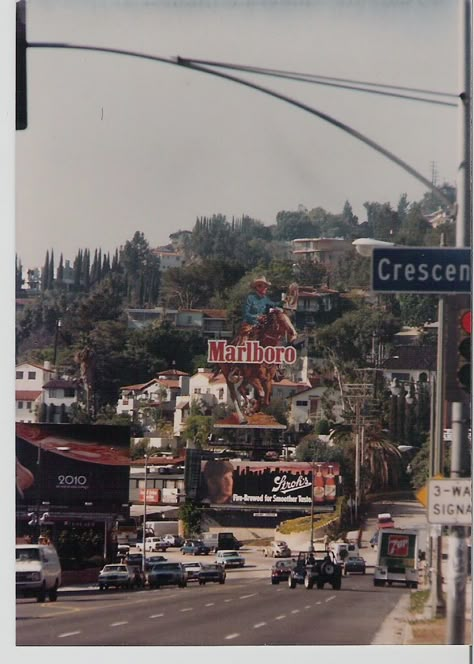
<point x="457" y="550"/>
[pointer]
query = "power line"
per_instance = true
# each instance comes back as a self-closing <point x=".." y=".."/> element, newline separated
<point x="179" y="61"/>
<point x="344" y="83"/>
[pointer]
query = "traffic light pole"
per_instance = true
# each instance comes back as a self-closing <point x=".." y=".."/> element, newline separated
<point x="457" y="549"/>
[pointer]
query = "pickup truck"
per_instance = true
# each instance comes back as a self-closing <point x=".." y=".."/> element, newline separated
<point x="153" y="544"/>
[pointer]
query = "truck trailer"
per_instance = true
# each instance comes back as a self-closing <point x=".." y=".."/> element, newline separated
<point x="397" y="557"/>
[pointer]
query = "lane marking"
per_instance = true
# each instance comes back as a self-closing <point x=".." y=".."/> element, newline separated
<point x="187" y="609"/>
<point x="317" y="603"/>
<point x="295" y="611"/>
<point x="330" y="598"/>
<point x="308" y="606"/>
<point x="232" y="636"/>
<point x="228" y="600"/>
<point x="280" y="617"/>
<point x="259" y="625"/>
<point x="117" y="624"/>
<point x="210" y="604"/>
<point x="63" y="636"/>
<point x="157" y="615"/>
<point x="245" y="596"/>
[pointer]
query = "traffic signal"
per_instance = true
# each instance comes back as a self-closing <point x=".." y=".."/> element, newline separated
<point x="464" y="351"/>
<point x="21" y="97"/>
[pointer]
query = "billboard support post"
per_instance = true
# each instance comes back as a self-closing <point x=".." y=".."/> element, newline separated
<point x="311" y="544"/>
<point x="144" y="511"/>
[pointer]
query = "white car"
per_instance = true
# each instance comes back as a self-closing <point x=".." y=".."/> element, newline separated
<point x="153" y="544"/>
<point x="193" y="570"/>
<point x="230" y="558"/>
<point x="278" y="550"/>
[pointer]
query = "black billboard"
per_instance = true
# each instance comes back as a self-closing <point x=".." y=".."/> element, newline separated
<point x="72" y="466"/>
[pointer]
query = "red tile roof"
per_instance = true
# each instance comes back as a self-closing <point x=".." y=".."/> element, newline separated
<point x="27" y="395"/>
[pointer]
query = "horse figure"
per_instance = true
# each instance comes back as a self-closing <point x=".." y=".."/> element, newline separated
<point x="272" y="328"/>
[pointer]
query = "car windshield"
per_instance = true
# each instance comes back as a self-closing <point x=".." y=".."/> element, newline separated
<point x="211" y="567"/>
<point x="27" y="554"/>
<point x="229" y="554"/>
<point x="283" y="564"/>
<point x="165" y="566"/>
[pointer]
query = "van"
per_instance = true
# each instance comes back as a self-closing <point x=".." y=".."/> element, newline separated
<point x="38" y="571"/>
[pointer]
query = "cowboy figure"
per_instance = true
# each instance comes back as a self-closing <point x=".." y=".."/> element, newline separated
<point x="256" y="306"/>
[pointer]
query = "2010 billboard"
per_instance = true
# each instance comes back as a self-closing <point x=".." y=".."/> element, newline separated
<point x="257" y="483"/>
<point x="71" y="465"/>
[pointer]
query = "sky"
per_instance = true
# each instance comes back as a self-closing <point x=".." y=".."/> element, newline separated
<point x="117" y="144"/>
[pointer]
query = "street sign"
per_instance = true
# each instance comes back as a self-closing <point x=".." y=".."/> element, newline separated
<point x="450" y="502"/>
<point x="421" y="270"/>
<point x="422" y="494"/>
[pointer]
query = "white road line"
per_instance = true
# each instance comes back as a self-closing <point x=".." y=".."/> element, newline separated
<point x="187" y="609"/>
<point x="232" y="636"/>
<point x="278" y="590"/>
<point x="210" y="604"/>
<point x="157" y="615"/>
<point x="295" y="611"/>
<point x="228" y="600"/>
<point x="308" y="606"/>
<point x="117" y="624"/>
<point x="245" y="596"/>
<point x="63" y="636"/>
<point x="281" y="617"/>
<point x="317" y="602"/>
<point x="259" y="625"/>
<point x="330" y="598"/>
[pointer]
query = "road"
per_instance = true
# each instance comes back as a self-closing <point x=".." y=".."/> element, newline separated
<point x="247" y="610"/>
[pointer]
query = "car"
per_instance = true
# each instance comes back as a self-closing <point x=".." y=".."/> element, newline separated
<point x="385" y="520"/>
<point x="134" y="559"/>
<point x="152" y="560"/>
<point x="116" y="576"/>
<point x="212" y="572"/>
<point x="354" y="565"/>
<point x="281" y="571"/>
<point x="173" y="540"/>
<point x="195" y="548"/>
<point x="167" y="574"/>
<point x="192" y="570"/>
<point x="229" y="558"/>
<point x="278" y="549"/>
<point x="155" y="544"/>
<point x="315" y="568"/>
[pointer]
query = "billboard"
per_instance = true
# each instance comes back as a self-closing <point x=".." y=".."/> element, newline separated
<point x="257" y="356"/>
<point x="271" y="484"/>
<point x="72" y="465"/>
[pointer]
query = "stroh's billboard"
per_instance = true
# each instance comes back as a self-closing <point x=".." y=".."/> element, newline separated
<point x="257" y="483"/>
<point x="68" y="465"/>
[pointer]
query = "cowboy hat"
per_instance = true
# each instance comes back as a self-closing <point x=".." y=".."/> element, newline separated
<point x="260" y="280"/>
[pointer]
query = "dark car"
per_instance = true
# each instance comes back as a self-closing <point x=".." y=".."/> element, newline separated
<point x="152" y="560"/>
<point x="281" y="571"/>
<point x="215" y="573"/>
<point x="134" y="559"/>
<point x="316" y="568"/>
<point x="354" y="565"/>
<point x="195" y="548"/>
<point x="167" y="574"/>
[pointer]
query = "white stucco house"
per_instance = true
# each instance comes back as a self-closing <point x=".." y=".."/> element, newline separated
<point x="306" y="407"/>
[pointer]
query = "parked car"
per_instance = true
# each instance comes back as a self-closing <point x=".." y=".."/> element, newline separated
<point x="385" y="520"/>
<point x="134" y="559"/>
<point x="230" y="558"/>
<point x="193" y="570"/>
<point x="173" y="540"/>
<point x="195" y="548"/>
<point x="277" y="550"/>
<point x="116" y="576"/>
<point x="354" y="565"/>
<point x="281" y="571"/>
<point x="316" y="568"/>
<point x="155" y="544"/>
<point x="152" y="560"/>
<point x="167" y="574"/>
<point x="214" y="573"/>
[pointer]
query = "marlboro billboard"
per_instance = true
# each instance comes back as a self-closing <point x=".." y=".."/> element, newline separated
<point x="273" y="484"/>
<point x="262" y="347"/>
